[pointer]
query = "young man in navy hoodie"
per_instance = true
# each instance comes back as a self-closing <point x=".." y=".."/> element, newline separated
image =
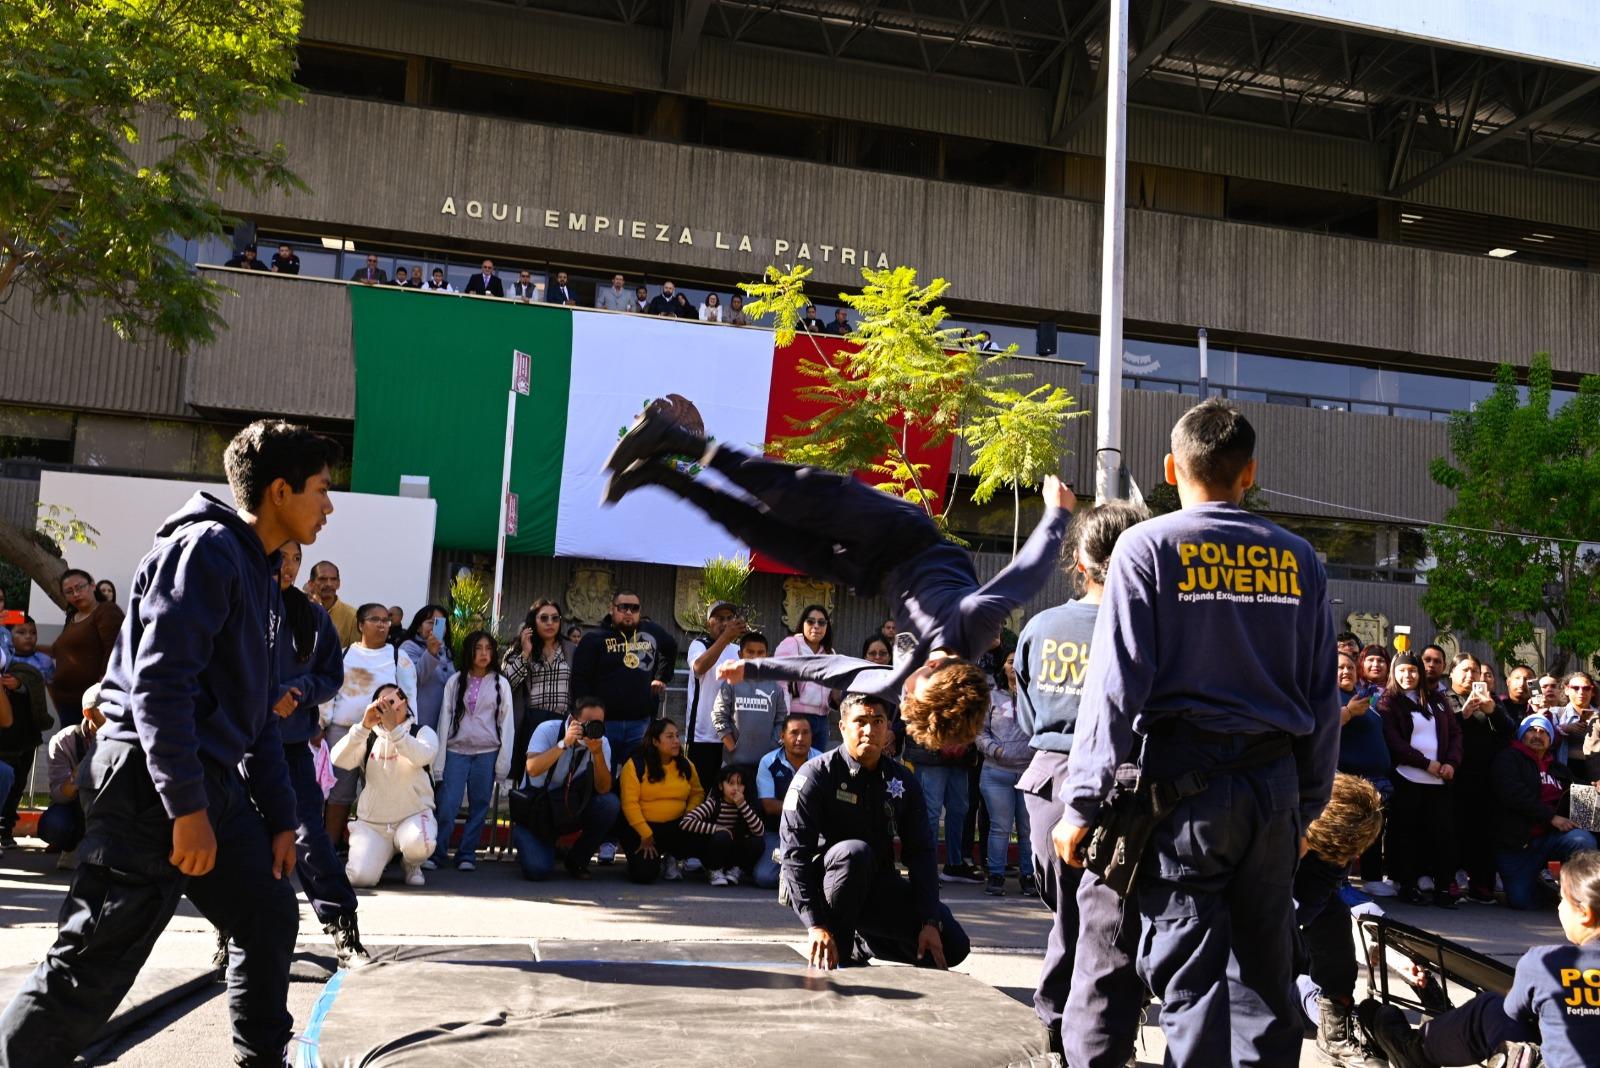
<point x="188" y="792"/>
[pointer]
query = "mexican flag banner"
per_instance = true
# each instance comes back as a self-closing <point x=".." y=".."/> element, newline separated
<point x="432" y="374"/>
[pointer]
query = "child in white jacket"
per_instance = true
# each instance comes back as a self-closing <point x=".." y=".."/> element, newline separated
<point x="395" y="809"/>
<point x="476" y="730"/>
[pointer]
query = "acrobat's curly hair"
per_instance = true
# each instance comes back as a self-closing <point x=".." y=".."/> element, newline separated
<point x="1351" y="822"/>
<point x="951" y="710"/>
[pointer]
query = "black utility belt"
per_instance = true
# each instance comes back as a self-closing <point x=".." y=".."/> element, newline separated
<point x="1135" y="809"/>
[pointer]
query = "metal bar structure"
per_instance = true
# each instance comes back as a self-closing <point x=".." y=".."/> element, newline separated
<point x="1108" y="388"/>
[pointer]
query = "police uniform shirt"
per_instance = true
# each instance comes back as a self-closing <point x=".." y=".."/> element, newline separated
<point x="834" y="799"/>
<point x="1558" y="987"/>
<point x="1052" y="661"/>
<point x="1219" y="617"/>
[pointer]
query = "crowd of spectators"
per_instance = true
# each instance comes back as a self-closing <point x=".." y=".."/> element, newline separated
<point x="1477" y="784"/>
<point x="668" y="301"/>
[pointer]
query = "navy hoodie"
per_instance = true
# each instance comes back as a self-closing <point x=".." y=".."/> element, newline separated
<point x="318" y="678"/>
<point x="193" y="671"/>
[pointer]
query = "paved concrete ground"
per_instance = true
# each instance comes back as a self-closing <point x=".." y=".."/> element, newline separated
<point x="494" y="904"/>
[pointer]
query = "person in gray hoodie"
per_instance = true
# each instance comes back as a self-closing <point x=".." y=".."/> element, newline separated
<point x="1007" y="749"/>
<point x="747" y="714"/>
<point x="187" y="793"/>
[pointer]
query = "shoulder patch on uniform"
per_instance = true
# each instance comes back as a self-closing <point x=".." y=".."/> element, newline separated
<point x="791" y="799"/>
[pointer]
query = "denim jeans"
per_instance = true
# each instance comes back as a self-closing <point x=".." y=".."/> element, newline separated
<point x="61" y="825"/>
<point x="625" y="737"/>
<point x="767" y="869"/>
<point x="1004" y="801"/>
<point x="536" y="856"/>
<point x="471" y="775"/>
<point x="945" y="789"/>
<point x="1519" y="868"/>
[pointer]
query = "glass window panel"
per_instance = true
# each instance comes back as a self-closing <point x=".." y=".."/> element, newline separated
<point x="1411" y="413"/>
<point x="1246" y="394"/>
<point x="1159" y="359"/>
<point x="1369" y="409"/>
<point x="1079" y="346"/>
<point x="1292" y="400"/>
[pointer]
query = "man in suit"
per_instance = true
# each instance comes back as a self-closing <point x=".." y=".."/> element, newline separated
<point x="560" y="292"/>
<point x="488" y="283"/>
<point x="840" y="324"/>
<point x="641" y="301"/>
<point x="523" y="288"/>
<point x="615" y="298"/>
<point x="371" y="274"/>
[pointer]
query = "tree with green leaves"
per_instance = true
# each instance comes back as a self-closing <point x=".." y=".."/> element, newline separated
<point x="1521" y="546"/>
<point x="122" y="123"/>
<point x="907" y="369"/>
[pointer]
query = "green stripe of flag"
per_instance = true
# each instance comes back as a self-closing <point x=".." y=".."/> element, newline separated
<point x="432" y="373"/>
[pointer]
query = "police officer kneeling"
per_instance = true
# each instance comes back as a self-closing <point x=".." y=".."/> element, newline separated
<point x="840" y="818"/>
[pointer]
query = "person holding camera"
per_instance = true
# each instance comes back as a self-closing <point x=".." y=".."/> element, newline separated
<point x="1485" y="730"/>
<point x="569" y="759"/>
<point x="394" y="811"/>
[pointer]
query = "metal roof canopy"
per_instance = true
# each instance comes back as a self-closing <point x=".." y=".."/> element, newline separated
<point x="1446" y="100"/>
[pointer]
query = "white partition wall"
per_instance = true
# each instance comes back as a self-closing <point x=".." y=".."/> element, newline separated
<point x="383" y="545"/>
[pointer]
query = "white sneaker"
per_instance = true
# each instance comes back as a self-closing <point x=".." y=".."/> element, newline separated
<point x="1425" y="883"/>
<point x="719" y="878"/>
<point x="608" y="852"/>
<point x="430" y="865"/>
<point x="692" y="865"/>
<point x="670" y="870"/>
<point x="414" y="875"/>
<point x="734" y="875"/>
<point x="1380" y="888"/>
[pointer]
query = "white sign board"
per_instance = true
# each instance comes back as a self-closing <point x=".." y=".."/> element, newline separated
<point x="1566" y="32"/>
<point x="383" y="545"/>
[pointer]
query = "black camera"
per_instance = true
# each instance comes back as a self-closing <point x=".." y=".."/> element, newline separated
<point x="594" y="728"/>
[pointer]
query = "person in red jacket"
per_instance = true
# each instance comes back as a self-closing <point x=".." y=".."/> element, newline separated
<point x="1424" y="738"/>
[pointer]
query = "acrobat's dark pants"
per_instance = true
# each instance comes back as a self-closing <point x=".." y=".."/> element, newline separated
<point x="1470" y="1033"/>
<point x="1214" y="898"/>
<point x="122" y="895"/>
<point x="1324" y="921"/>
<point x="1088" y="974"/>
<point x="828" y="525"/>
<point x="316" y="865"/>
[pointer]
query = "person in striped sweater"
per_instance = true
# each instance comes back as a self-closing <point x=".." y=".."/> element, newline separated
<point x="733" y="827"/>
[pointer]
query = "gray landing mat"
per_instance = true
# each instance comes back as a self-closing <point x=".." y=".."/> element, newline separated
<point x="639" y="1003"/>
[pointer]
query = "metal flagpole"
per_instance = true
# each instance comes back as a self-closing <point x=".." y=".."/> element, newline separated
<point x="521" y="382"/>
<point x="1205" y="376"/>
<point x="1108" y="426"/>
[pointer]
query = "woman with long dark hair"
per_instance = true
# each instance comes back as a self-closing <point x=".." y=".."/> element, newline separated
<point x="105" y="591"/>
<point x="1363" y="750"/>
<point x="1485" y="730"/>
<point x="1425" y="743"/>
<point x="814" y="637"/>
<point x="83" y="648"/>
<point x="425" y="643"/>
<point x="475" y="739"/>
<point x="539" y="669"/>
<point x="659" y="786"/>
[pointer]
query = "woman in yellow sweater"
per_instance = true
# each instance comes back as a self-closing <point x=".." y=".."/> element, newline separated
<point x="659" y="785"/>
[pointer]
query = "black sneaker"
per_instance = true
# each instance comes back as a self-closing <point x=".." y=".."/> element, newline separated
<point x="1444" y="899"/>
<point x="1393" y="1033"/>
<point x="960" y="873"/>
<point x="578" y="869"/>
<point x="1027" y="886"/>
<point x="1412" y="895"/>
<point x="659" y="431"/>
<point x="1481" y="897"/>
<point x="996" y="886"/>
<point x="347" y="942"/>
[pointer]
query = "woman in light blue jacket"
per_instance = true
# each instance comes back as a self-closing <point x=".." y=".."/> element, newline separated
<point x="425" y="645"/>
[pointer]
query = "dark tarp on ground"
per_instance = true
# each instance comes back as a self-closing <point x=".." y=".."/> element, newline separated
<point x="675" y="1004"/>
